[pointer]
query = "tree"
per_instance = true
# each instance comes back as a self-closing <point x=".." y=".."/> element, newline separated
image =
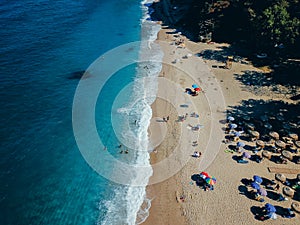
<point x="276" y="26"/>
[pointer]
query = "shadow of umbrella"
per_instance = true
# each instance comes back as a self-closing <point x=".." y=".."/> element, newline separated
<point x="257" y="212"/>
<point x="196" y="177"/>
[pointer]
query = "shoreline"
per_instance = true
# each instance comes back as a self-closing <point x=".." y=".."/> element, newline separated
<point x="199" y="207"/>
<point x="169" y="192"/>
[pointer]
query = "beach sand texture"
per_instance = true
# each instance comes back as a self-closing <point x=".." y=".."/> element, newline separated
<point x="177" y="200"/>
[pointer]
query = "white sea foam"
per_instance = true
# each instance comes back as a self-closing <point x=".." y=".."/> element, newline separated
<point x="139" y="108"/>
<point x="150" y="70"/>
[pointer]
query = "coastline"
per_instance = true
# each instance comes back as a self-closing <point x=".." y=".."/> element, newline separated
<point x="200" y="207"/>
<point x="169" y="193"/>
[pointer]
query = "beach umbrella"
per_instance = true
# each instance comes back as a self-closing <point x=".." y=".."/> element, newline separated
<point x="296" y="207"/>
<point x="287" y="154"/>
<point x="249" y="126"/>
<point x="197" y="89"/>
<point x="293" y="136"/>
<point x="237" y="134"/>
<point x="268" y="126"/>
<point x="266" y="154"/>
<point x="246" y="155"/>
<point x="240" y="144"/>
<point x="280" y="144"/>
<point x="204" y="175"/>
<point x="254" y="133"/>
<point x="274" y="134"/>
<point x="288" y="191"/>
<point x="210" y="180"/>
<point x="195" y="86"/>
<point x="257" y="179"/>
<point x="247" y="118"/>
<point x="255" y="185"/>
<point x="264" y="118"/>
<point x="270" y="208"/>
<point x="232" y="126"/>
<point x="260" y="143"/>
<point x="262" y="192"/>
<point x="280" y="177"/>
<point x="230" y="118"/>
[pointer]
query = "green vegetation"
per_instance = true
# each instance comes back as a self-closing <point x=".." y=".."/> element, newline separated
<point x="270" y="26"/>
<point x="252" y="27"/>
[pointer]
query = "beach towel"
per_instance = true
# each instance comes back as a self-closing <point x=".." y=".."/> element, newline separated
<point x="228" y="151"/>
<point x="242" y="161"/>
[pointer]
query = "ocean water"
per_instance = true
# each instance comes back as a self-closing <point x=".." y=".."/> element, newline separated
<point x="45" y="47"/>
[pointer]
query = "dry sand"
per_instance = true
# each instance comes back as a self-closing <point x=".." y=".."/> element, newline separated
<point x="226" y="204"/>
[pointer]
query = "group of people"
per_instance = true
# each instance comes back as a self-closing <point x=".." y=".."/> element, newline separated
<point x="206" y="181"/>
<point x="271" y="190"/>
<point x="197" y="154"/>
<point x="166" y="119"/>
<point x="123" y="151"/>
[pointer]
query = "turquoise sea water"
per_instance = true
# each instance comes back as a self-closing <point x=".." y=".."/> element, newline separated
<point x="45" y="46"/>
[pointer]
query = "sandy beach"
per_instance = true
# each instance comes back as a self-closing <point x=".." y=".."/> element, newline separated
<point x="176" y="199"/>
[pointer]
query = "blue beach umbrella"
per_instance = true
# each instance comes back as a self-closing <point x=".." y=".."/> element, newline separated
<point x="270" y="208"/>
<point x="232" y="126"/>
<point x="195" y="86"/>
<point x="255" y="185"/>
<point x="237" y="134"/>
<point x="257" y="179"/>
<point x="240" y="144"/>
<point x="230" y="118"/>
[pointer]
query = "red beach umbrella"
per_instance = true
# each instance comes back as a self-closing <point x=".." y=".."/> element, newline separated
<point x="197" y="89"/>
<point x="204" y="174"/>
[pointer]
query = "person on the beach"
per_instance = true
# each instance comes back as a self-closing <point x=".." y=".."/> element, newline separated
<point x="208" y="187"/>
<point x="269" y="184"/>
<point x="197" y="154"/>
<point x="168" y="117"/>
<point x="234" y="136"/>
<point x="288" y="213"/>
<point x="279" y="197"/>
<point x="257" y="158"/>
<point x="257" y="197"/>
<point x="185" y="116"/>
<point x="181" y="118"/>
<point x="281" y="160"/>
<point x="230" y="127"/>
<point x="195" y="143"/>
<point x="276" y="188"/>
